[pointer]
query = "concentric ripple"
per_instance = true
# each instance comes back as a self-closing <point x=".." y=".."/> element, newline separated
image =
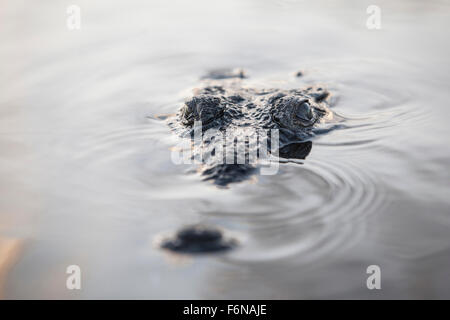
<point x="331" y="200"/>
<point x="119" y="143"/>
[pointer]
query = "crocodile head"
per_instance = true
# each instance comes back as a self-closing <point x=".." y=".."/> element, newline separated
<point x="224" y="112"/>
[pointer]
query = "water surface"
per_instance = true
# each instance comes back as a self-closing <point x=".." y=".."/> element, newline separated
<point x="85" y="170"/>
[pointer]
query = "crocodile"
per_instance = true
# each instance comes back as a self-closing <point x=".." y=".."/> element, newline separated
<point x="225" y="106"/>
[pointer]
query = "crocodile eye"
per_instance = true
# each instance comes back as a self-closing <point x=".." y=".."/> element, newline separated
<point x="204" y="108"/>
<point x="304" y="112"/>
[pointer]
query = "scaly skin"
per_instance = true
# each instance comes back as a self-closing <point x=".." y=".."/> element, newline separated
<point x="225" y="105"/>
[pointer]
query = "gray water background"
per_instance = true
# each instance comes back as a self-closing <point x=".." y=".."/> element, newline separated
<point x="85" y="170"/>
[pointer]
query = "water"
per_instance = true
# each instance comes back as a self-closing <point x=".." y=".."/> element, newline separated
<point x="86" y="176"/>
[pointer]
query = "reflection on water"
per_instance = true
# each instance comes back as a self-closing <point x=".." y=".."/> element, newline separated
<point x="86" y="176"/>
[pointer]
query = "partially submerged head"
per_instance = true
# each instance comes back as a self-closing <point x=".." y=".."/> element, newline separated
<point x="227" y="109"/>
<point x="295" y="110"/>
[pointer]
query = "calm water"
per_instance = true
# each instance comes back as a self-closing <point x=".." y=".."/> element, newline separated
<point x="85" y="170"/>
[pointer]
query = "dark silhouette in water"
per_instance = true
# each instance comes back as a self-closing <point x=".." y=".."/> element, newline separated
<point x="219" y="74"/>
<point x="198" y="239"/>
